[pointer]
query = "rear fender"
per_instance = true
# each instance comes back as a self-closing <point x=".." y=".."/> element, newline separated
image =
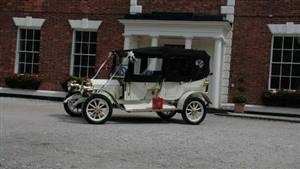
<point x="199" y="95"/>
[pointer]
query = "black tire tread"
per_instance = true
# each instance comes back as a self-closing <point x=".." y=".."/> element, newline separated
<point x="66" y="107"/>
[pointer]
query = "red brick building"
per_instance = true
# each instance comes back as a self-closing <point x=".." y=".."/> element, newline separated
<point x="256" y="40"/>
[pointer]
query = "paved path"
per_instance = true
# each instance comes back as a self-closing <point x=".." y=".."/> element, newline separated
<point x="39" y="135"/>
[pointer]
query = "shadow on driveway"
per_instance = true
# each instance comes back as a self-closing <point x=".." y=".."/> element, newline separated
<point x="142" y="120"/>
<point x="120" y="119"/>
<point x="68" y="119"/>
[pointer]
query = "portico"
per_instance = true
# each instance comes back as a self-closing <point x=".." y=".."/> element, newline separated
<point x="195" y="34"/>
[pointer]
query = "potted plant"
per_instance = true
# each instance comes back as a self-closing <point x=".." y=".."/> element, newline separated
<point x="240" y="99"/>
<point x="239" y="103"/>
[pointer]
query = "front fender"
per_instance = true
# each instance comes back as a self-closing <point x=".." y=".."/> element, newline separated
<point x="107" y="95"/>
<point x="110" y="97"/>
<point x="200" y="95"/>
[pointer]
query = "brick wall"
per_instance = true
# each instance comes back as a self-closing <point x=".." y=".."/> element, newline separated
<point x="252" y="41"/>
<point x="208" y="7"/>
<point x="56" y="33"/>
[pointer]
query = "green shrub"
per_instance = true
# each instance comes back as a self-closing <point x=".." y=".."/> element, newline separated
<point x="289" y="98"/>
<point x="23" y="81"/>
<point x="240" y="95"/>
<point x="239" y="99"/>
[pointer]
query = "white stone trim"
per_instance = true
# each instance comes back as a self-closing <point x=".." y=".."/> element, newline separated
<point x="72" y="54"/>
<point x="85" y="24"/>
<point x="28" y="22"/>
<point x="286" y="29"/>
<point x="230" y="2"/>
<point x="230" y="17"/>
<point x="134" y="7"/>
<point x="227" y="10"/>
<point x="209" y="29"/>
<point x="16" y="68"/>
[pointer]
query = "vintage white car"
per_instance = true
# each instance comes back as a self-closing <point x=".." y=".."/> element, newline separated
<point x="155" y="79"/>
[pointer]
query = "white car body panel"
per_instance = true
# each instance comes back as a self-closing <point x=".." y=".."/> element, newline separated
<point x="169" y="90"/>
<point x="113" y="86"/>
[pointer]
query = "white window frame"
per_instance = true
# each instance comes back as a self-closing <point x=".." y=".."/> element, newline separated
<point x="25" y="23"/>
<point x="73" y="51"/>
<point x="17" y="57"/>
<point x="271" y="60"/>
<point x="84" y="25"/>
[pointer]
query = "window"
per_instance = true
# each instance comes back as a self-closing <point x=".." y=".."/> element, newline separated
<point x="148" y="67"/>
<point x="285" y="63"/>
<point x="145" y="69"/>
<point x="28" y="52"/>
<point x="84" y="53"/>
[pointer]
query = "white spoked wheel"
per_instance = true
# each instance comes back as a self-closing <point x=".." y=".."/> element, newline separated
<point x="97" y="109"/>
<point x="73" y="108"/>
<point x="194" y="111"/>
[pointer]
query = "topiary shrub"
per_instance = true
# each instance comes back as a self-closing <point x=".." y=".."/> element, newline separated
<point x="239" y="99"/>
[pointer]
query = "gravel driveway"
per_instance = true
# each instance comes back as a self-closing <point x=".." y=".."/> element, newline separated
<point x="38" y="134"/>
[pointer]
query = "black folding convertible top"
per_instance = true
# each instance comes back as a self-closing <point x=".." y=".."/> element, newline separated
<point x="178" y="64"/>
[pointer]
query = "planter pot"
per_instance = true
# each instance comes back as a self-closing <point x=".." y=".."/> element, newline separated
<point x="239" y="107"/>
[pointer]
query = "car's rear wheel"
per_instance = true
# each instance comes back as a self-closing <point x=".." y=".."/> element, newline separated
<point x="97" y="109"/>
<point x="194" y="111"/>
<point x="166" y="115"/>
<point x="70" y="107"/>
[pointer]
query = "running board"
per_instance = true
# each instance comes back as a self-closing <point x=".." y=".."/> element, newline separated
<point x="147" y="107"/>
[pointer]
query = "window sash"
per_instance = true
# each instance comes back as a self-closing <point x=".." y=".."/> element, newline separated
<point x="83" y="47"/>
<point x="286" y="60"/>
<point x="27" y="60"/>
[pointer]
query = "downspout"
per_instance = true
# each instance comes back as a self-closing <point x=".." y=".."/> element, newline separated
<point x="135" y="8"/>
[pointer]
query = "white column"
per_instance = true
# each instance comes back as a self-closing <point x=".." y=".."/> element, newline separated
<point x="154" y="41"/>
<point x="215" y="83"/>
<point x="188" y="42"/>
<point x="127" y="41"/>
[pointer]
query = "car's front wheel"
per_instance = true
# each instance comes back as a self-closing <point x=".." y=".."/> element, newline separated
<point x="166" y="115"/>
<point x="97" y="109"/>
<point x="194" y="110"/>
<point x="70" y="107"/>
